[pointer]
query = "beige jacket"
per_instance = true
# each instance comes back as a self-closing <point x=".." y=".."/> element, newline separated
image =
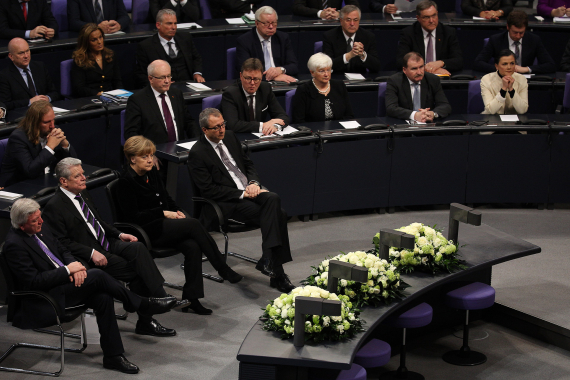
<point x="495" y="104"/>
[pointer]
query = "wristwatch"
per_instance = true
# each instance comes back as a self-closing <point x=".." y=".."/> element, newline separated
<point x="253" y="182"/>
<point x="435" y="115"/>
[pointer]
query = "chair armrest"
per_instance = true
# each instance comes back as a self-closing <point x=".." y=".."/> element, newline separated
<point x="558" y="109"/>
<point x="217" y="210"/>
<point x="38" y="294"/>
<point x="136" y="230"/>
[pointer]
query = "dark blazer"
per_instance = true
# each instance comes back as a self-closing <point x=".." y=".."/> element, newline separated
<point x="15" y="93"/>
<point x="447" y="47"/>
<point x="81" y="12"/>
<point x="377" y="5"/>
<point x="532" y="48"/>
<point x="565" y="62"/>
<point x="143" y="117"/>
<point x="236" y="112"/>
<point x="71" y="229"/>
<point x="334" y="45"/>
<point x="12" y="23"/>
<point x="475" y="7"/>
<point x="310" y="8"/>
<point x="309" y="105"/>
<point x="188" y="13"/>
<point x="90" y="81"/>
<point x="399" y="102"/>
<point x="249" y="46"/>
<point x="151" y="49"/>
<point x="231" y="8"/>
<point x="24" y="160"/>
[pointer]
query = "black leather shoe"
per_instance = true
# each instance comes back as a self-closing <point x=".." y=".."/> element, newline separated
<point x="282" y="283"/>
<point x="197" y="307"/>
<point x="230" y="275"/>
<point x="159" y="305"/>
<point x="265" y="266"/>
<point x="119" y="363"/>
<point x="153" y="328"/>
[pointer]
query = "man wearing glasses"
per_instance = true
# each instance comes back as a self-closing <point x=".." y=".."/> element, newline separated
<point x="271" y="47"/>
<point x="250" y="102"/>
<point x="437" y="43"/>
<point x="157" y="112"/>
<point x="223" y="172"/>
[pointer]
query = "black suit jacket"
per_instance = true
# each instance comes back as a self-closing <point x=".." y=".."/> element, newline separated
<point x="81" y="12"/>
<point x="24" y="160"/>
<point x="188" y="13"/>
<point x="309" y="105"/>
<point x="470" y="8"/>
<point x="334" y="45"/>
<point x="447" y="47"/>
<point x="231" y="8"/>
<point x="143" y="117"/>
<point x="14" y="91"/>
<point x="12" y="23"/>
<point x="399" y="102"/>
<point x="249" y="46"/>
<point x="151" y="49"/>
<point x="236" y="112"/>
<point x="310" y="8"/>
<point x="377" y="5"/>
<point x="565" y="62"/>
<point x="90" y="81"/>
<point x="532" y="48"/>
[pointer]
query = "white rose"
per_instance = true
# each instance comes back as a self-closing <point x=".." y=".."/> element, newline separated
<point x="325" y="263"/>
<point x="287" y="322"/>
<point x="370" y="283"/>
<point x="316" y="294"/>
<point x="343" y="283"/>
<point x="325" y="275"/>
<point x="326" y="321"/>
<point x="436" y="242"/>
<point x="422" y="241"/>
<point x="368" y="263"/>
<point x="284" y="313"/>
<point x="337" y="318"/>
<point x="324" y="294"/>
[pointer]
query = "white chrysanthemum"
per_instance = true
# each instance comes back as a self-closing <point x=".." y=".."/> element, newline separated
<point x="326" y="321"/>
<point x="343" y="283"/>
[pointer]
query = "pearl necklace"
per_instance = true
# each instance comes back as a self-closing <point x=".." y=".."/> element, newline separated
<point x="326" y="89"/>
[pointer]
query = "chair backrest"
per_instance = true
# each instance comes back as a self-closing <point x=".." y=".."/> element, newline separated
<point x="474" y="98"/>
<point x="123" y="127"/>
<point x="458" y="10"/>
<point x="111" y="192"/>
<point x="59" y="11"/>
<point x="565" y="100"/>
<point x="139" y="13"/>
<point x="288" y="101"/>
<point x="10" y="284"/>
<point x="231" y="61"/>
<point x="381" y="99"/>
<point x="65" y="77"/>
<point x="212" y="102"/>
<point x="3" y="145"/>
<point x="206" y="14"/>
<point x="318" y="47"/>
<point x="128" y="5"/>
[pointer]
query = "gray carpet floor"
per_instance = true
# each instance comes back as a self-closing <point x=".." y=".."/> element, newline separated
<point x="206" y="346"/>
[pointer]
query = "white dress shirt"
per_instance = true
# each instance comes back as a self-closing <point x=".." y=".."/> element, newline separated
<point x="512" y="48"/>
<point x="159" y="101"/>
<point x="227" y="152"/>
<point x="351" y="45"/>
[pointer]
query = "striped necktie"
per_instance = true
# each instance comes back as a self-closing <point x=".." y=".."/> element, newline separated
<point x="94" y="223"/>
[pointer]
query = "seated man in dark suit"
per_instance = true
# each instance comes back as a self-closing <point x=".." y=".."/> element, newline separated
<point x="26" y="19"/>
<point x="38" y="261"/>
<point x="223" y="172"/>
<point x="24" y="81"/>
<point x="249" y="102"/>
<point x="186" y="10"/>
<point x="75" y="221"/>
<point x="565" y="61"/>
<point x="110" y="15"/>
<point x="271" y="47"/>
<point x="326" y="10"/>
<point x="35" y="147"/>
<point x="232" y="8"/>
<point x="415" y="95"/>
<point x="384" y="6"/>
<point x="527" y="47"/>
<point x="176" y="49"/>
<point x="436" y="42"/>
<point x="353" y="50"/>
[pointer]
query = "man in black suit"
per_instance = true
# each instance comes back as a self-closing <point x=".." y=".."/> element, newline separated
<point x="353" y="50"/>
<point x="384" y="6"/>
<point x="158" y="112"/>
<point x="110" y="15"/>
<point x="38" y="261"/>
<point x="36" y="20"/>
<point x="264" y="41"/>
<point x="437" y="43"/>
<point x="527" y="47"/>
<point x="326" y="10"/>
<point x="232" y="8"/>
<point x="186" y="10"/>
<point x="24" y="81"/>
<point x="415" y="95"/>
<point x="176" y="49"/>
<point x="247" y="103"/>
<point x="75" y="221"/>
<point x="35" y="147"/>
<point x="222" y="171"/>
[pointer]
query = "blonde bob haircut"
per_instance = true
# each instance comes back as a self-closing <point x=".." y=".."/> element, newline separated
<point x="138" y="146"/>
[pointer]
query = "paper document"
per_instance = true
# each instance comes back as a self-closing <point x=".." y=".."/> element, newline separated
<point x="116" y="92"/>
<point x="187" y="145"/>
<point x="261" y="135"/>
<point x="406" y="6"/>
<point x="198" y="86"/>
<point x="479" y="18"/>
<point x="287" y="130"/>
<point x="235" y="21"/>
<point x="59" y="110"/>
<point x="396" y="16"/>
<point x="354" y="76"/>
<point x="250" y="16"/>
<point x="186" y="25"/>
<point x="9" y="195"/>
<point x="527" y="76"/>
<point x="509" y="117"/>
<point x="350" y="124"/>
<point x="415" y="122"/>
<point x="561" y="19"/>
<point x="117" y="33"/>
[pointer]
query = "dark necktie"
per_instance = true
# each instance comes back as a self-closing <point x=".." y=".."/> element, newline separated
<point x="168" y="120"/>
<point x="250" y="105"/>
<point x="171" y="52"/>
<point x="325" y="3"/>
<point x="429" y="53"/>
<point x="31" y="86"/>
<point x="348" y="50"/>
<point x="94" y="223"/>
<point x="518" y="53"/>
<point x="231" y="167"/>
<point x="25" y="10"/>
<point x="46" y="250"/>
<point x="98" y="12"/>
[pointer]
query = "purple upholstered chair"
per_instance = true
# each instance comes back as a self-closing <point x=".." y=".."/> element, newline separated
<point x="474" y="99"/>
<point x="474" y="296"/>
<point x="3" y="145"/>
<point x="59" y="11"/>
<point x="458" y="10"/>
<point x="356" y="372"/>
<point x="123" y="127"/>
<point x="65" y="77"/>
<point x="231" y="61"/>
<point x="212" y="102"/>
<point x="128" y="5"/>
<point x="566" y="99"/>
<point x="288" y="101"/>
<point x="139" y="13"/>
<point x="373" y="354"/>
<point x="381" y="99"/>
<point x="206" y="14"/>
<point x="318" y="47"/>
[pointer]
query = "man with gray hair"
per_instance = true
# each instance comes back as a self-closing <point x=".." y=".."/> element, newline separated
<point x="38" y="261"/>
<point x="176" y="49"/>
<point x="75" y="221"/>
<point x="271" y="47"/>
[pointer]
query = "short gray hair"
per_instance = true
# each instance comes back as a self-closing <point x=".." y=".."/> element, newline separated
<point x="319" y="61"/>
<point x="423" y="5"/>
<point x="348" y="9"/>
<point x="204" y="118"/>
<point x="150" y="69"/>
<point x="161" y="13"/>
<point x="63" y="167"/>
<point x="21" y="211"/>
<point x="265" y="10"/>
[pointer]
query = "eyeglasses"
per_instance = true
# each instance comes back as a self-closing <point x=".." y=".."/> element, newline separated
<point x="324" y="71"/>
<point x="164" y="77"/>
<point x="218" y="127"/>
<point x="267" y="23"/>
<point x="252" y="79"/>
<point x="425" y="18"/>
